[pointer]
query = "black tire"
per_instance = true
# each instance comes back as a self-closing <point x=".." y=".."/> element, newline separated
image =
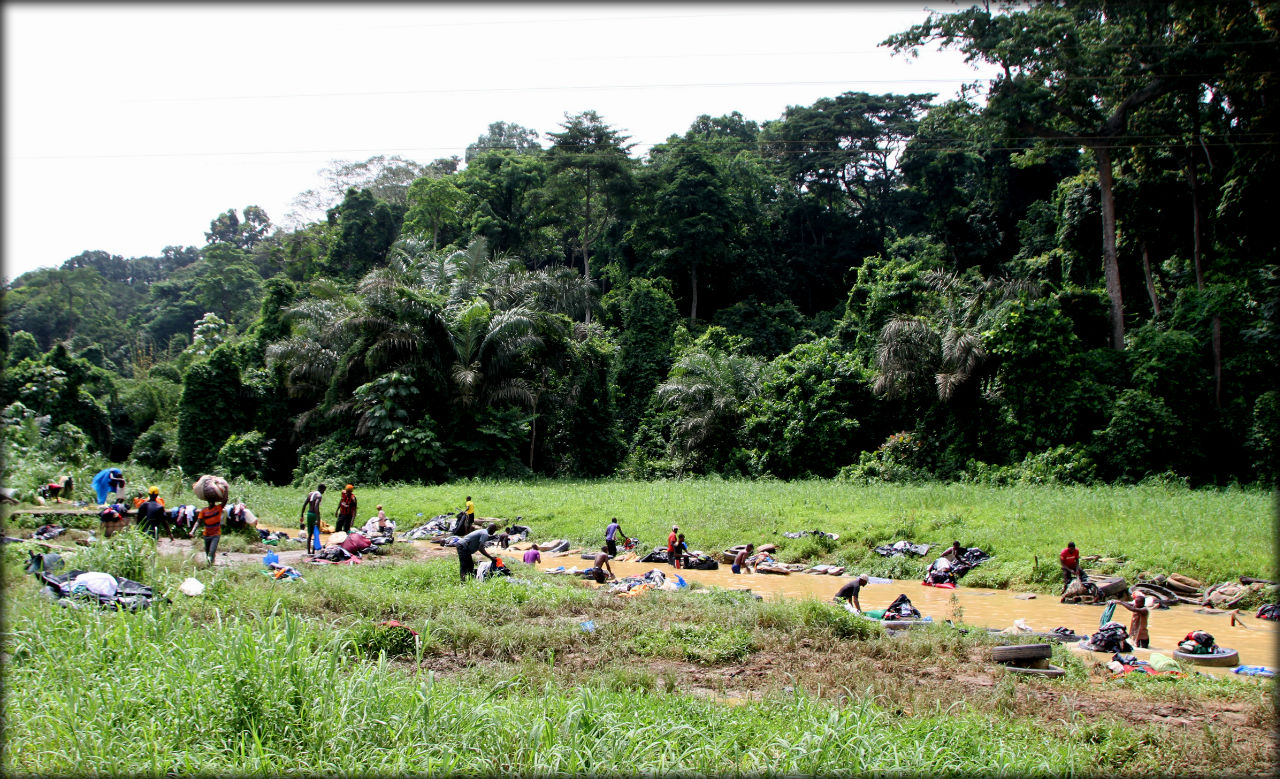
<point x="1225" y="658"/>
<point x="1021" y="652"/>
<point x="1052" y="672"/>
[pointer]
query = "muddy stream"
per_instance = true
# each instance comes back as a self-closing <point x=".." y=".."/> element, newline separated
<point x="1254" y="639"/>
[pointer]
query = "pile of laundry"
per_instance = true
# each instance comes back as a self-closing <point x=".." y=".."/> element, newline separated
<point x="1158" y="665"/>
<point x="903" y="549"/>
<point x="492" y="570"/>
<point x="1269" y="611"/>
<point x="274" y="537"/>
<point x="78" y="588"/>
<point x="343" y="548"/>
<point x="654" y="579"/>
<point x="950" y="567"/>
<point x="1111" y="637"/>
<point x="803" y="533"/>
<point x="437" y="525"/>
<point x="1198" y="642"/>
<point x="278" y="571"/>
<point x="48" y="532"/>
<point x="901" y="608"/>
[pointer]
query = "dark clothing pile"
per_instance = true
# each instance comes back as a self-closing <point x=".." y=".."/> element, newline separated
<point x="433" y="527"/>
<point x="333" y="554"/>
<point x="1198" y="642"/>
<point x="48" y="532"/>
<point x="901" y="608"/>
<point x="902" y="549"/>
<point x="700" y="561"/>
<point x="803" y="533"/>
<point x="120" y="594"/>
<point x="1269" y="611"/>
<point x="935" y="576"/>
<point x="658" y="555"/>
<point x="1111" y="637"/>
<point x="273" y="537"/>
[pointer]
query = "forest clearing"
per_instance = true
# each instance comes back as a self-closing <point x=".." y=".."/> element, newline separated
<point x="503" y="676"/>
<point x="887" y="432"/>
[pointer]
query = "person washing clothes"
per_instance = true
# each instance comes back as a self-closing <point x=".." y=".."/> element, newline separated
<point x="672" y="540"/>
<point x="379" y="525"/>
<point x="740" y="560"/>
<point x="152" y="515"/>
<point x="849" y="593"/>
<point x="611" y="537"/>
<point x="1069" y="559"/>
<point x="107" y="481"/>
<point x="471" y="543"/>
<point x="1138" y="623"/>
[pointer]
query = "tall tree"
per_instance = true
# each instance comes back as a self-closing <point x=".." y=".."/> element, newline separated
<point x="504" y="135"/>
<point x="590" y="175"/>
<point x="1076" y="73"/>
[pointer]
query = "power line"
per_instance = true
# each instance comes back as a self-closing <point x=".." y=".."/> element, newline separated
<point x="923" y="144"/>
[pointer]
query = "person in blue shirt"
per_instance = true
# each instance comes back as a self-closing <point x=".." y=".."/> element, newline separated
<point x="611" y="537"/>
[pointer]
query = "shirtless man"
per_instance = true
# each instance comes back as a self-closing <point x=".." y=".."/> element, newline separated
<point x="740" y="560"/>
<point x="600" y="566"/>
<point x="1138" y="623"/>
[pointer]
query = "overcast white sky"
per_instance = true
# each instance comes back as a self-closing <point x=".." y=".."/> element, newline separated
<point x="127" y="128"/>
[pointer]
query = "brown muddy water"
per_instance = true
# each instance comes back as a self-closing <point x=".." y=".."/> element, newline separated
<point x="1256" y="640"/>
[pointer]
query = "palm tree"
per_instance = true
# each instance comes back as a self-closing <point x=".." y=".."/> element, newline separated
<point x="916" y="357"/>
<point x="708" y="387"/>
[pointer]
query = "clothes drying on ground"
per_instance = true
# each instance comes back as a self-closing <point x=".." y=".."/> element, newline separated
<point x="903" y="549"/>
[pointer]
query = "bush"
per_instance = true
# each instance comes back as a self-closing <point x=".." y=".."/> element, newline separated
<point x="1059" y="465"/>
<point x="899" y="459"/>
<point x="244" y="456"/>
<point x="157" y="448"/>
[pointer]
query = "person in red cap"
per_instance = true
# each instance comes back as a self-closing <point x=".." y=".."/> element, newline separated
<point x="346" y="511"/>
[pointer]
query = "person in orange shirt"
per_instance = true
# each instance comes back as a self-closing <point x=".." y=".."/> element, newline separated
<point x="1070" y="561"/>
<point x="209" y="520"/>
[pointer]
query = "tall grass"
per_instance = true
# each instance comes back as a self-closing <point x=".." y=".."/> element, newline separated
<point x="160" y="692"/>
<point x="1209" y="534"/>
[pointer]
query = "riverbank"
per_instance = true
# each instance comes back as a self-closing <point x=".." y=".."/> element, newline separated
<point x="260" y="675"/>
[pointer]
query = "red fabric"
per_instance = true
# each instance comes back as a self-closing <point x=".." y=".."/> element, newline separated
<point x="356" y="542"/>
<point x="1070" y="557"/>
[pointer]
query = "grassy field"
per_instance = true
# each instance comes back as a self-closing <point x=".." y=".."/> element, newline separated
<point x="259" y="676"/>
<point x="1214" y="535"/>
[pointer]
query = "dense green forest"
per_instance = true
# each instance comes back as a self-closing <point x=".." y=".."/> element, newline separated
<point x="1067" y="274"/>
